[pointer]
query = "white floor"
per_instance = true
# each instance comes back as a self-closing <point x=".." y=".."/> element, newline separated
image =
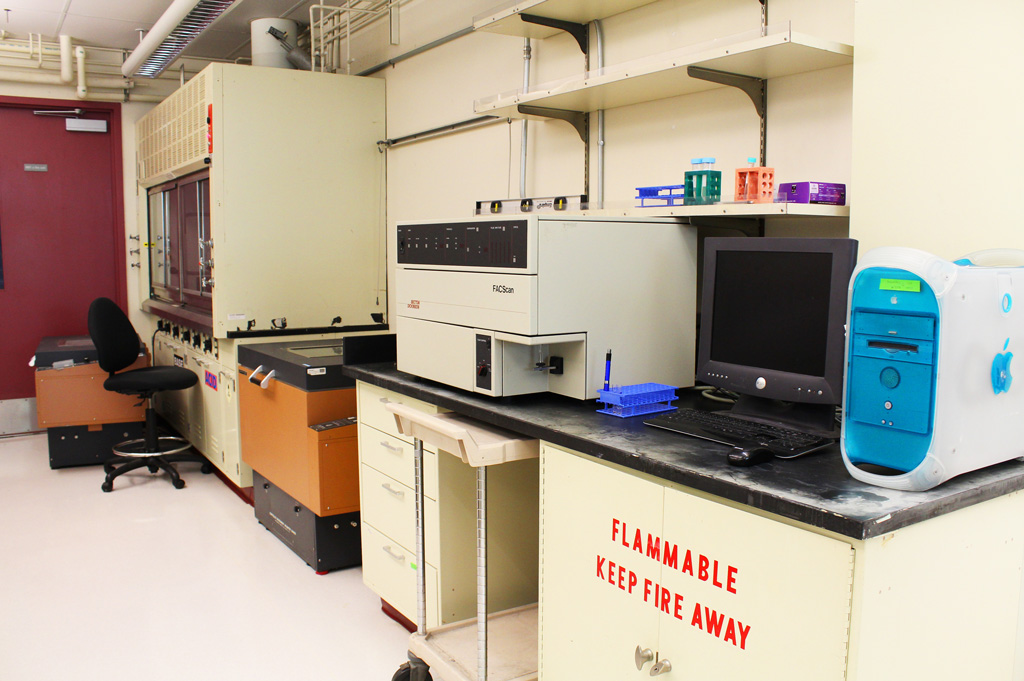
<point x="150" y="583"/>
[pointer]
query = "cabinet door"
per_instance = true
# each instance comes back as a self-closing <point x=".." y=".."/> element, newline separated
<point x="760" y="599"/>
<point x="598" y="587"/>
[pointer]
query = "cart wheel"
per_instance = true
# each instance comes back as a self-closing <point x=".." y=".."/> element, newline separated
<point x="404" y="673"/>
<point x="206" y="469"/>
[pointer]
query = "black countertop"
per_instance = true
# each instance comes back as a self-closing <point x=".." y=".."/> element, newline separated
<point x="815" y="489"/>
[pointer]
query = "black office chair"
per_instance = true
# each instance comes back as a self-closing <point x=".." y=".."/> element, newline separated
<point x="117" y="347"/>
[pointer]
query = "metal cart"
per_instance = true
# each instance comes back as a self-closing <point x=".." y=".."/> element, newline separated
<point x="449" y="649"/>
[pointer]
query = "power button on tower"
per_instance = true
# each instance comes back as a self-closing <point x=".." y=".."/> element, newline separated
<point x="760" y="383"/>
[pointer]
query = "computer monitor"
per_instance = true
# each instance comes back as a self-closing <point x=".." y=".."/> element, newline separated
<point x="773" y="312"/>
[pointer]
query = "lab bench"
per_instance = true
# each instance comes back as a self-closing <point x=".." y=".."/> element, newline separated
<point x="658" y="558"/>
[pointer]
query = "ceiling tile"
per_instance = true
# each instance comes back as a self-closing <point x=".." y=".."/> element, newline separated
<point x="21" y="22"/>
<point x="104" y="32"/>
<point x="144" y="11"/>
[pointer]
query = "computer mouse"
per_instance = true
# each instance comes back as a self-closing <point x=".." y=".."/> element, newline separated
<point x="750" y="455"/>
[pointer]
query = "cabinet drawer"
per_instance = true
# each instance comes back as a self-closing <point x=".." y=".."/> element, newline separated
<point x="393" y="457"/>
<point x="389" y="570"/>
<point x="371" y="401"/>
<point x="390" y="506"/>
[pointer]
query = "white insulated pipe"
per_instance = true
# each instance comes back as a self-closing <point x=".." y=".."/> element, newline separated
<point x="81" y="90"/>
<point x="65" y="59"/>
<point x="170" y="19"/>
<point x="35" y="78"/>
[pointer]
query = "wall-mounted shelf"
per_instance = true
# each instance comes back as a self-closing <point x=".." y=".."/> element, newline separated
<point x="507" y="18"/>
<point x="780" y="53"/>
<point x="727" y="210"/>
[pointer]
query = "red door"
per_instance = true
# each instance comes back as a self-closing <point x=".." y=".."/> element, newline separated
<point x="61" y="228"/>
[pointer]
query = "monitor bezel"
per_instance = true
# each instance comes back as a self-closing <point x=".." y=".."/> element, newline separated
<point x="780" y="385"/>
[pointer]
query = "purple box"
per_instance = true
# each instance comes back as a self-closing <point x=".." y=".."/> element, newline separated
<point x="812" y="192"/>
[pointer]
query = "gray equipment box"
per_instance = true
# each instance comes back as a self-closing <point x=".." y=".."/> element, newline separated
<point x="325" y="543"/>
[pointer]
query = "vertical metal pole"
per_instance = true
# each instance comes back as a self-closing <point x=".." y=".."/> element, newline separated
<point x="421" y="569"/>
<point x="481" y="573"/>
<point x="598" y="198"/>
<point x="764" y="91"/>
<point x="527" y="52"/>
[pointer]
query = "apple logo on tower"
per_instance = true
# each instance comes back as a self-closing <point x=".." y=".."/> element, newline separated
<point x="1001" y="377"/>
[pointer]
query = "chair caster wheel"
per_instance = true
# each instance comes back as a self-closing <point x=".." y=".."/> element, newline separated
<point x="107" y="487"/>
<point x="206" y="469"/>
<point x="153" y="469"/>
<point x="404" y="673"/>
<point x="178" y="484"/>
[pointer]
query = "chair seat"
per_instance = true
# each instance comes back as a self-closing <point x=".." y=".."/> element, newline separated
<point x="150" y="379"/>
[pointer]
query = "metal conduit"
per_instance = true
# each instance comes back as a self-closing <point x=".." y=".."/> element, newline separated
<point x="527" y="55"/>
<point x="419" y="50"/>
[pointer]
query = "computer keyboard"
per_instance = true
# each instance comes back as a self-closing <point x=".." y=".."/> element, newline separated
<point x="730" y="430"/>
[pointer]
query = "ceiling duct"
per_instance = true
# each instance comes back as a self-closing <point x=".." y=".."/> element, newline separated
<point x="183" y="21"/>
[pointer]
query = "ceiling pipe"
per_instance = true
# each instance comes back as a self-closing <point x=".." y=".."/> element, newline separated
<point x="65" y="59"/>
<point x="36" y="78"/>
<point x="81" y="90"/>
<point x="163" y="27"/>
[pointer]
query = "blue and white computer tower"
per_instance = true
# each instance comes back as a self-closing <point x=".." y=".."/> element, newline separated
<point x="929" y="392"/>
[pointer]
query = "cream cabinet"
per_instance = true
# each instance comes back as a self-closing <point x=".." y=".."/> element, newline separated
<point x="387" y="499"/>
<point x="695" y="589"/>
<point x="643" y="577"/>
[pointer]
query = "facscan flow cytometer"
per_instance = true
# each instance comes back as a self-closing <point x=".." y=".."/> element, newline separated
<point x="532" y="303"/>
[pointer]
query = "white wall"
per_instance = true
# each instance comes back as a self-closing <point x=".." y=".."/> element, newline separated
<point x="809" y="115"/>
<point x="936" y="116"/>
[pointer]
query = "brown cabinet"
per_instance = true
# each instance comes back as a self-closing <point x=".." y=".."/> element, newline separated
<point x="318" y="468"/>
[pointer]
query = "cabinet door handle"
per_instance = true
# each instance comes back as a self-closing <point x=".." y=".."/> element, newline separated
<point x="390" y="448"/>
<point x="397" y="492"/>
<point x="662" y="667"/>
<point x="642" y="657"/>
<point x="397" y="556"/>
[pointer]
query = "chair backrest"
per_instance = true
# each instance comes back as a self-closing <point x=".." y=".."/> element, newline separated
<point x="117" y="343"/>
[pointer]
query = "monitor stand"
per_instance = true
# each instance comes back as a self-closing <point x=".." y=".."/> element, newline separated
<point x="817" y="419"/>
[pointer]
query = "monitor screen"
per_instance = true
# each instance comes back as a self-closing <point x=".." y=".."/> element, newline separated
<point x="772" y="317"/>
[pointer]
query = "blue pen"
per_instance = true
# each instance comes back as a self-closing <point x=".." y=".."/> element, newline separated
<point x="607" y="368"/>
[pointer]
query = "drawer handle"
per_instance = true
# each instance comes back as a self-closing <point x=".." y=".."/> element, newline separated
<point x="390" y="448"/>
<point x="266" y="381"/>
<point x="397" y="492"/>
<point x="400" y="557"/>
<point x="384" y="400"/>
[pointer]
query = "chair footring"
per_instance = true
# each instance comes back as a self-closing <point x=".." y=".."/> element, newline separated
<point x="165" y="445"/>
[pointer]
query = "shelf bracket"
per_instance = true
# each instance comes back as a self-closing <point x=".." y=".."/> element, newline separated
<point x="576" y="119"/>
<point x="755" y="88"/>
<point x="577" y="31"/>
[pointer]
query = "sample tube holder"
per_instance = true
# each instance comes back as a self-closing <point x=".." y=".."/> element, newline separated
<point x="755" y="185"/>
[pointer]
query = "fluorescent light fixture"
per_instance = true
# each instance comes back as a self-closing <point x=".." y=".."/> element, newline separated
<point x="183" y="21"/>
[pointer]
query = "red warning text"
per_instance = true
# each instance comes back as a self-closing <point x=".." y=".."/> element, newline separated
<point x="663" y="551"/>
